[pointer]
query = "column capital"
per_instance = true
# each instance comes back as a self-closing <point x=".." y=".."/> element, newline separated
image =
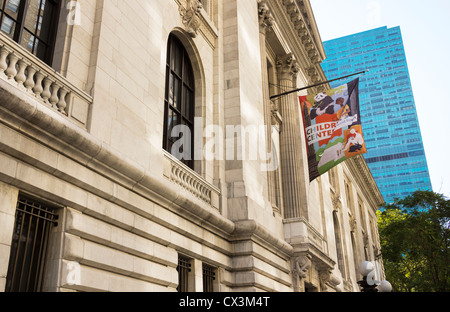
<point x="288" y="67"/>
<point x="266" y="19"/>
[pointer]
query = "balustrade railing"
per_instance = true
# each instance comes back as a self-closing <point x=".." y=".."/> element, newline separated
<point x="185" y="177"/>
<point x="28" y="73"/>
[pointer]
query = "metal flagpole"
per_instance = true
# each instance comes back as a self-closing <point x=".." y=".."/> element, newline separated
<point x="316" y="85"/>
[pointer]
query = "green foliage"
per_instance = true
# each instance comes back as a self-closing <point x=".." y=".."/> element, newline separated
<point x="415" y="241"/>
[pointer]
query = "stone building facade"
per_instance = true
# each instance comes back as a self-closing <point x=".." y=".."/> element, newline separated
<point x="93" y="195"/>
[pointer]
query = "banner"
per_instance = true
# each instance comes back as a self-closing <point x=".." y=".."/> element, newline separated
<point x="332" y="127"/>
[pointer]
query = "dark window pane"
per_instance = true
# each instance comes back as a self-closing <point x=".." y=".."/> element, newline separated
<point x="188" y="79"/>
<point x="177" y="94"/>
<point x="31" y="20"/>
<point x="46" y="19"/>
<point x="186" y="99"/>
<point x="42" y="49"/>
<point x="8" y="26"/>
<point x="178" y="59"/>
<point x="171" y="93"/>
<point x="28" y="41"/>
<point x="32" y="24"/>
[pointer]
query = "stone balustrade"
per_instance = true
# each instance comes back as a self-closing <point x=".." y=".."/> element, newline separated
<point x="185" y="177"/>
<point x="22" y="69"/>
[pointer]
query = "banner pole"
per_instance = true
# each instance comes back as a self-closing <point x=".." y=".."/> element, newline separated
<point x="316" y="85"/>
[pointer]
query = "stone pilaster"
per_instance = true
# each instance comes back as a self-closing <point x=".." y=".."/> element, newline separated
<point x="291" y="151"/>
<point x="265" y="24"/>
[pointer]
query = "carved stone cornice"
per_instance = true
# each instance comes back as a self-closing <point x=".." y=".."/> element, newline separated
<point x="301" y="22"/>
<point x="295" y="18"/>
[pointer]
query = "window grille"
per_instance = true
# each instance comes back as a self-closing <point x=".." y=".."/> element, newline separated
<point x="209" y="276"/>
<point x="29" y="246"/>
<point x="184" y="268"/>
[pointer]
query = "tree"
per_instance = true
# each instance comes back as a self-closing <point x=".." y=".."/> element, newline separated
<point x="415" y="240"/>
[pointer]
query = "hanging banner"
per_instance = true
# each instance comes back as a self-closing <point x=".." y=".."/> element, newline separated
<point x="332" y="127"/>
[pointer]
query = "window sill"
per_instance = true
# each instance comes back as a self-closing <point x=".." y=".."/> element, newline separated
<point x="188" y="179"/>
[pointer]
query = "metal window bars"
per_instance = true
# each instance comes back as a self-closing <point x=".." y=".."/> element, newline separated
<point x="29" y="246"/>
<point x="209" y="276"/>
<point x="184" y="268"/>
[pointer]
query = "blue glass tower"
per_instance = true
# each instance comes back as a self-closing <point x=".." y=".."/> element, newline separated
<point x="396" y="154"/>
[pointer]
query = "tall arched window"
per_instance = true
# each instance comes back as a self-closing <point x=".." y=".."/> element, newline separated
<point x="179" y="103"/>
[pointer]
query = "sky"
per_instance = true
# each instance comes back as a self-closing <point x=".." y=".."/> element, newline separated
<point x="425" y="27"/>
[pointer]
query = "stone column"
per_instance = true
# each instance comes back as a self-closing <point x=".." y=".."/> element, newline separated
<point x="291" y="149"/>
<point x="265" y="24"/>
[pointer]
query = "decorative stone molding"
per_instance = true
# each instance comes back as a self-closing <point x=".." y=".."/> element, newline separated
<point x="301" y="267"/>
<point x="191" y="16"/>
<point x="191" y="181"/>
<point x="300" y="20"/>
<point x="366" y="239"/>
<point x="287" y="67"/>
<point x="35" y="78"/>
<point x="265" y="16"/>
<point x="197" y="21"/>
<point x="277" y="120"/>
<point x="336" y="200"/>
<point x="313" y="74"/>
<point x="352" y="223"/>
<point x="328" y="279"/>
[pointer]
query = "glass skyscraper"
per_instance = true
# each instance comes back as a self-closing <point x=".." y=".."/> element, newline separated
<point x="396" y="154"/>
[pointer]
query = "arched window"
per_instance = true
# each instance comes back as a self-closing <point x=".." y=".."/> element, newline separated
<point x="179" y="103"/>
<point x="32" y="24"/>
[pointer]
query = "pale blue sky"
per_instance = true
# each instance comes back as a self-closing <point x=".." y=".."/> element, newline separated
<point x="425" y="27"/>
